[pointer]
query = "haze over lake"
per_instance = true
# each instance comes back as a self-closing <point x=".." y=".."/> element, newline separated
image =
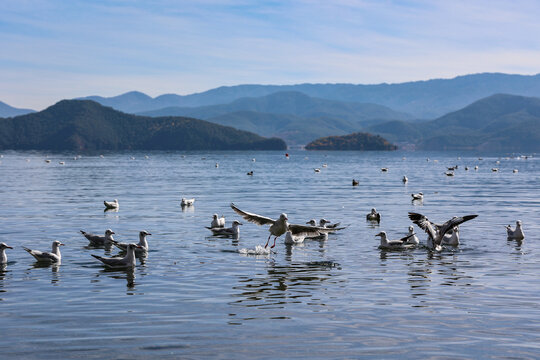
<point x="196" y="296"/>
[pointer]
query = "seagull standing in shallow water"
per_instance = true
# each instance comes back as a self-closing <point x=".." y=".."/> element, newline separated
<point x="436" y="232"/>
<point x="517" y="233"/>
<point x="280" y="226"/>
<point x="47" y="257"/>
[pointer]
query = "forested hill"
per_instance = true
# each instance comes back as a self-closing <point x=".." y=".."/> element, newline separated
<point x="86" y="125"/>
<point x="357" y="141"/>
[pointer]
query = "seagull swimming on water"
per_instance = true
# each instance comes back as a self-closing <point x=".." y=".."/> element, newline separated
<point x="3" y="256"/>
<point x="413" y="239"/>
<point x="47" y="257"/>
<point x="517" y="233"/>
<point x="97" y="240"/>
<point x="280" y="226"/>
<point x="418" y="196"/>
<point x="217" y="222"/>
<point x="142" y="245"/>
<point x="127" y="261"/>
<point x="435" y="231"/>
<point x="394" y="244"/>
<point x="451" y="237"/>
<point x="233" y="231"/>
<point x="373" y="216"/>
<point x="111" y="204"/>
<point x="187" y="202"/>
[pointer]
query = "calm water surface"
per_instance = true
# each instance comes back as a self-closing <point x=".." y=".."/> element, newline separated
<point x="195" y="296"/>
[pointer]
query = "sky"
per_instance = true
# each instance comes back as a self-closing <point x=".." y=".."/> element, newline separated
<point x="54" y="49"/>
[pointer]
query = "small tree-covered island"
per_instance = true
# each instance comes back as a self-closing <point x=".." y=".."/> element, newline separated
<point x="86" y="125"/>
<point x="358" y="141"/>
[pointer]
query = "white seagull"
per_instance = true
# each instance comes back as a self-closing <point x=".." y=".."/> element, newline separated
<point x="280" y="226"/>
<point x="217" y="222"/>
<point x="111" y="204"/>
<point x="3" y="256"/>
<point x="187" y="202"/>
<point x="404" y="179"/>
<point x="393" y="244"/>
<point x="233" y="231"/>
<point x="451" y="237"/>
<point x="323" y="223"/>
<point x="435" y="231"/>
<point x="47" y="257"/>
<point x="418" y="196"/>
<point x="517" y="233"/>
<point x="143" y="244"/>
<point x="127" y="261"/>
<point x="97" y="240"/>
<point x="413" y="240"/>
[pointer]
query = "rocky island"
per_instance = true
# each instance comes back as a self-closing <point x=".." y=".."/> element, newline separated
<point x="357" y="141"/>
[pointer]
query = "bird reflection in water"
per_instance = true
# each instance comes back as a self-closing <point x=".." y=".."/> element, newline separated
<point x="127" y="274"/>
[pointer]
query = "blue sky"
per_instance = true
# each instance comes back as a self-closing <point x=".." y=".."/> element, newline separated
<point x="51" y="50"/>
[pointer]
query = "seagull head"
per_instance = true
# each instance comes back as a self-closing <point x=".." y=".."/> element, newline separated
<point x="373" y="211"/>
<point x="283" y="216"/>
<point x="215" y="216"/>
<point x="323" y="221"/>
<point x="57" y="243"/>
<point x="109" y="232"/>
<point x="518" y="223"/>
<point x="5" y="246"/>
<point x="382" y="233"/>
<point x="411" y="229"/>
<point x="144" y="233"/>
<point x="312" y="222"/>
<point x="236" y="222"/>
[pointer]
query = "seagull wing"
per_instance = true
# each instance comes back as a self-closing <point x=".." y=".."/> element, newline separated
<point x="254" y="218"/>
<point x="112" y="262"/>
<point x="333" y="226"/>
<point x="423" y="223"/>
<point x="447" y="226"/>
<point x="309" y="231"/>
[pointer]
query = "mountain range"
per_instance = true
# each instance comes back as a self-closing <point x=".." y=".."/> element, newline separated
<point x="10" y="111"/>
<point x="422" y="99"/>
<point x="84" y="125"/>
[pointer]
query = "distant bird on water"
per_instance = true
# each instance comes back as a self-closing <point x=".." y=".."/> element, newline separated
<point x="355" y="182"/>
<point x="187" y="202"/>
<point x="142" y="245"/>
<point x="111" y="204"/>
<point x="418" y="196"/>
<point x="393" y="244"/>
<point x="233" y="231"/>
<point x="280" y="226"/>
<point x="373" y="215"/>
<point x="517" y="233"/>
<point x="217" y="222"/>
<point x="404" y="179"/>
<point x="413" y="239"/>
<point x="47" y="257"/>
<point x="127" y="261"/>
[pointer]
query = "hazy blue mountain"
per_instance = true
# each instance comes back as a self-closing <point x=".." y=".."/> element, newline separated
<point x="86" y="125"/>
<point x="9" y="111"/>
<point x="293" y="116"/>
<point x="422" y="99"/>
<point x="499" y="122"/>
<point x="357" y="141"/>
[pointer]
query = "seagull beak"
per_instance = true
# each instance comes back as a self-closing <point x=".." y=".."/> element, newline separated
<point x="61" y="244"/>
<point x="112" y="232"/>
<point x="139" y="246"/>
<point x="379" y="234"/>
<point x="240" y="223"/>
<point x="148" y="234"/>
<point x="9" y="247"/>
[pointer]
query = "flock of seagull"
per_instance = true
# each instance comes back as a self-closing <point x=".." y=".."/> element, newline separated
<point x="438" y="235"/>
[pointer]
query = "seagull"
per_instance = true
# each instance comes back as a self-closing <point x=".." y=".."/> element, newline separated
<point x="250" y="173"/>
<point x="384" y="169"/>
<point x="142" y="245"/>
<point x="47" y="257"/>
<point x="517" y="233"/>
<point x="187" y="202"/>
<point x="328" y="224"/>
<point x="233" y="231"/>
<point x="495" y="169"/>
<point x="97" y="240"/>
<point x="413" y="239"/>
<point x="419" y="196"/>
<point x="317" y="170"/>
<point x="404" y="179"/>
<point x="3" y="256"/>
<point x="217" y="222"/>
<point x="280" y="226"/>
<point x="515" y="171"/>
<point x="127" y="261"/>
<point x="324" y="165"/>
<point x="451" y="237"/>
<point x="476" y="167"/>
<point x="466" y="168"/>
<point x="449" y="173"/>
<point x="112" y="204"/>
<point x="355" y="182"/>
<point x="393" y="244"/>
<point x="436" y="231"/>
<point x="373" y="216"/>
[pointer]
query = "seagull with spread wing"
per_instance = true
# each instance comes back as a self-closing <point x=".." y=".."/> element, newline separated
<point x="435" y="231"/>
<point x="280" y="226"/>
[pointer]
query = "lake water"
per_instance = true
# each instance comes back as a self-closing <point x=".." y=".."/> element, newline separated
<point x="196" y="296"/>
